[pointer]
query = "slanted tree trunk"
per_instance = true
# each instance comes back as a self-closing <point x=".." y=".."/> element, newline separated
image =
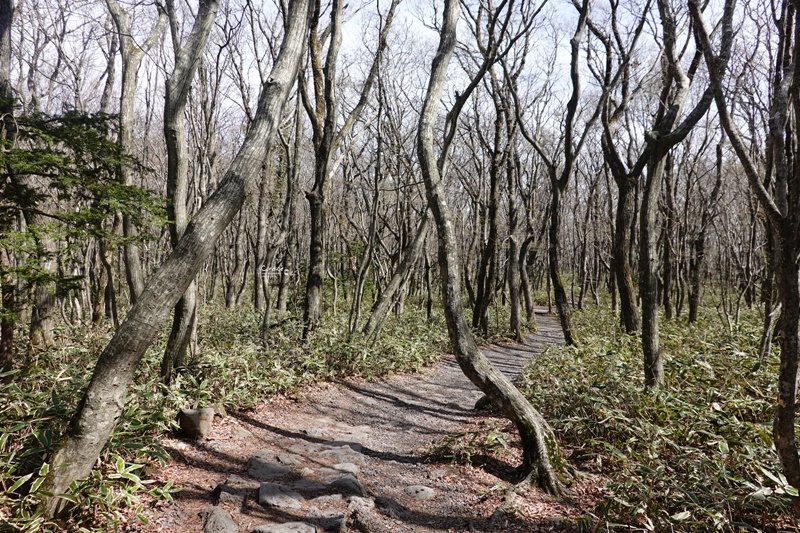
<point x="187" y="59"/>
<point x="382" y="306"/>
<point x="104" y="399"/>
<point x="541" y="457"/>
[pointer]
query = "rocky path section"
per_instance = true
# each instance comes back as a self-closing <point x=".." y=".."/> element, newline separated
<point x="351" y="457"/>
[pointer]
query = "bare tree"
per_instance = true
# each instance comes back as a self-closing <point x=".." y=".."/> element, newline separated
<point x="781" y="203"/>
<point x="541" y="456"/>
<point x="132" y="54"/>
<point x="187" y="58"/>
<point x="328" y="135"/>
<point x="104" y="399"/>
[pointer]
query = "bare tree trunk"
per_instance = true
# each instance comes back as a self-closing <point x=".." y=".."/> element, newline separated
<point x="381" y="307"/>
<point x="540" y="450"/>
<point x="132" y="55"/>
<point x="629" y="309"/>
<point x="327" y="136"/>
<point x="780" y="204"/>
<point x="102" y="404"/>
<point x="669" y="230"/>
<point x="8" y="307"/>
<point x="187" y="59"/>
<point x="648" y="275"/>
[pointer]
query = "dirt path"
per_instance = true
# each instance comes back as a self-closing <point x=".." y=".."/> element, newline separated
<point x="352" y="456"/>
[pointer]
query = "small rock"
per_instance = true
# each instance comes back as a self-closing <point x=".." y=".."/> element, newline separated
<point x="274" y="495"/>
<point x="219" y="410"/>
<point x="344" y="454"/>
<point x="289" y="459"/>
<point x="316" y="433"/>
<point x="266" y="453"/>
<point x="355" y="446"/>
<point x="288" y="527"/>
<point x="349" y="485"/>
<point x="240" y="483"/>
<point x="307" y="485"/>
<point x="235" y="490"/>
<point x="195" y="423"/>
<point x="263" y="469"/>
<point x="217" y="520"/>
<point x="355" y="502"/>
<point x="348" y="468"/>
<point x="306" y="472"/>
<point x="346" y="483"/>
<point x="305" y="448"/>
<point x="241" y="433"/>
<point x="229" y="494"/>
<point x="420" y="492"/>
<point x="330" y="521"/>
<point x="328" y="498"/>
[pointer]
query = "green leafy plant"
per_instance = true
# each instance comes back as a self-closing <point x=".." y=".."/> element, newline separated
<point x="697" y="456"/>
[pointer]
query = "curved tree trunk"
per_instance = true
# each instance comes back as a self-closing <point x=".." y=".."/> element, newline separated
<point x="104" y="400"/>
<point x="541" y="454"/>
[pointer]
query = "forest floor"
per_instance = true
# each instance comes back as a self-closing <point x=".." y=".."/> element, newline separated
<point x="368" y="456"/>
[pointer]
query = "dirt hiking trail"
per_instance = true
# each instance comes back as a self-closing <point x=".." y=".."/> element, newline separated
<point x="355" y="456"/>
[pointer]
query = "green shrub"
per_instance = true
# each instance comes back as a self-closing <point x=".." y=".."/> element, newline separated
<point x="232" y="368"/>
<point x="697" y="456"/>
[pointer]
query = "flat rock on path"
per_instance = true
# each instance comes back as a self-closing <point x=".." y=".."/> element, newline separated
<point x="360" y="442"/>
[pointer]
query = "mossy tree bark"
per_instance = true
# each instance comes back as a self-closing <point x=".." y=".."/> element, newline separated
<point x="103" y="402"/>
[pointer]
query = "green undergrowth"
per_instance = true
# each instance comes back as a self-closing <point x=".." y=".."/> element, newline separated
<point x="232" y="368"/>
<point x="698" y="456"/>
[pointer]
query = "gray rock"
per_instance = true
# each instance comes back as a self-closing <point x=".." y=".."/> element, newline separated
<point x="330" y="521"/>
<point x="356" y="502"/>
<point x="317" y="433"/>
<point x="308" y="485"/>
<point x="343" y="454"/>
<point x="238" y="482"/>
<point x="241" y="433"/>
<point x="266" y="453"/>
<point x="264" y="469"/>
<point x="355" y="446"/>
<point x="195" y="423"/>
<point x="217" y="520"/>
<point x="347" y="484"/>
<point x="328" y="498"/>
<point x="235" y="493"/>
<point x="420" y="492"/>
<point x="289" y="459"/>
<point x="274" y="495"/>
<point x="306" y="448"/>
<point x="288" y="527"/>
<point x="349" y="468"/>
